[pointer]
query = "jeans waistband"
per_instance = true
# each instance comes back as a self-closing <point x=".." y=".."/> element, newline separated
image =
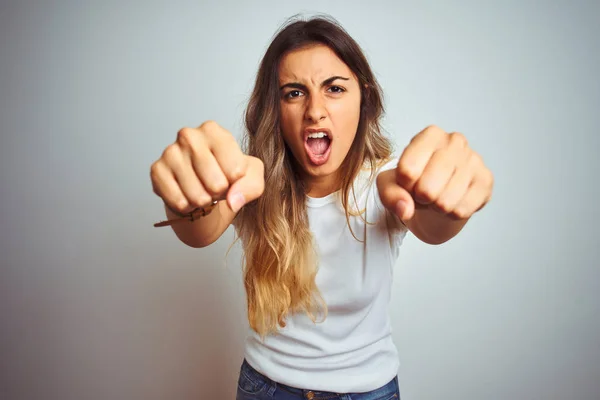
<point x="258" y="378"/>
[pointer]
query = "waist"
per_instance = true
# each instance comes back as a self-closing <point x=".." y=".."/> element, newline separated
<point x="363" y="368"/>
<point x="249" y="372"/>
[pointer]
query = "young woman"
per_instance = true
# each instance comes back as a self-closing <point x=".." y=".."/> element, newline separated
<point x="321" y="205"/>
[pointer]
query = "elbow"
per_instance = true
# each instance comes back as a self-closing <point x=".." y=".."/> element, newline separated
<point x="195" y="242"/>
<point x="434" y="240"/>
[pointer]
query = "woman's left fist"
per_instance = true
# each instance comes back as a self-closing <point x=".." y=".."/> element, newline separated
<point x="438" y="170"/>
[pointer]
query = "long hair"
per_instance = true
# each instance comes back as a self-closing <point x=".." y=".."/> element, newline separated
<point x="280" y="262"/>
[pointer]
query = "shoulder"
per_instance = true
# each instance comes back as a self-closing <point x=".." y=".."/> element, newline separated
<point x="367" y="177"/>
<point x="365" y="184"/>
<point x="395" y="227"/>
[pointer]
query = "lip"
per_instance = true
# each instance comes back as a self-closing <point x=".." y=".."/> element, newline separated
<point x="313" y="130"/>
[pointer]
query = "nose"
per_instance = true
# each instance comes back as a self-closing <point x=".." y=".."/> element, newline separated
<point x="315" y="109"/>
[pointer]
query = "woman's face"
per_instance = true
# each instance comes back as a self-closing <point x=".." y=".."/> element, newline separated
<point x="320" y="109"/>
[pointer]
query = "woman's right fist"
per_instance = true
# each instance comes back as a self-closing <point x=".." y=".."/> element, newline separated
<point x="206" y="164"/>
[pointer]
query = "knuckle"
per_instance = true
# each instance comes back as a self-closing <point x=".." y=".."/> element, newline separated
<point x="461" y="212"/>
<point x="184" y="135"/>
<point x="171" y="153"/>
<point x="236" y="173"/>
<point x="200" y="200"/>
<point x="459" y="138"/>
<point x="407" y="171"/>
<point x="180" y="204"/>
<point x="219" y="186"/>
<point x="475" y="159"/>
<point x="424" y="193"/>
<point x="154" y="168"/>
<point x="155" y="178"/>
<point x="444" y="205"/>
<point x="433" y="130"/>
<point x="239" y="168"/>
<point x="209" y="126"/>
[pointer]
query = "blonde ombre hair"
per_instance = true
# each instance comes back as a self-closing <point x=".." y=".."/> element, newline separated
<point x="280" y="262"/>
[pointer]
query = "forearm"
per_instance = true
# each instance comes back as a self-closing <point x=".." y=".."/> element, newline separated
<point x="204" y="230"/>
<point x="433" y="227"/>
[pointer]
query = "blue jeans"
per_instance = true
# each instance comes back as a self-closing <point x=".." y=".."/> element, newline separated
<point x="252" y="385"/>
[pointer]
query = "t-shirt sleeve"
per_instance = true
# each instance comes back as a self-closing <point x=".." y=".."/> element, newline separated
<point x="396" y="228"/>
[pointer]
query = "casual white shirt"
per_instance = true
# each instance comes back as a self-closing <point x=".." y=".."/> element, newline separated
<point x="352" y="349"/>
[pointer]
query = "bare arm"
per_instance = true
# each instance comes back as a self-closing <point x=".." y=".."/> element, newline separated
<point x="206" y="230"/>
<point x="433" y="227"/>
<point x="206" y="163"/>
<point x="439" y="183"/>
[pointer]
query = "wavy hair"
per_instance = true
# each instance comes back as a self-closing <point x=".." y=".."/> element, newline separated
<point x="280" y="262"/>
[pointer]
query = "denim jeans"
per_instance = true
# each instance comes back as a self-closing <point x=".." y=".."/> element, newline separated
<point x="252" y="385"/>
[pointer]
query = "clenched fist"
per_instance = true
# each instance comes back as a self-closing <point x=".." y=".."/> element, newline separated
<point x="206" y="164"/>
<point x="437" y="170"/>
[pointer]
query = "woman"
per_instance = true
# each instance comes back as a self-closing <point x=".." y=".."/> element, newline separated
<point x="321" y="206"/>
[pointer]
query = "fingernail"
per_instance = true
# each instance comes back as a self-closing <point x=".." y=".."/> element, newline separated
<point x="400" y="208"/>
<point x="237" y="202"/>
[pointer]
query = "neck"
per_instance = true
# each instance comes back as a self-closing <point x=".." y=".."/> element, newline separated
<point x="321" y="186"/>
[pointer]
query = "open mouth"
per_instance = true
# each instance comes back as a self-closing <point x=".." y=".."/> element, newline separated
<point x="318" y="147"/>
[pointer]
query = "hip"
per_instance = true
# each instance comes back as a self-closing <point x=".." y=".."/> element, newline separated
<point x="252" y="385"/>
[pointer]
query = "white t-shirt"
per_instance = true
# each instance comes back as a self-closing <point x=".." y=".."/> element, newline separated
<point x="352" y="349"/>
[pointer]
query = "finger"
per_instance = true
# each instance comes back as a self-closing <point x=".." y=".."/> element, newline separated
<point x="191" y="186"/>
<point x="166" y="187"/>
<point x="435" y="176"/>
<point x="209" y="172"/>
<point x="199" y="145"/>
<point x="417" y="154"/>
<point x="186" y="178"/>
<point x="475" y="198"/>
<point x="249" y="187"/>
<point x="227" y="152"/>
<point x="483" y="176"/>
<point x="394" y="197"/>
<point x="455" y="190"/>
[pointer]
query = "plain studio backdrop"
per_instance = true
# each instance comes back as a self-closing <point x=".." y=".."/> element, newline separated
<point x="96" y="303"/>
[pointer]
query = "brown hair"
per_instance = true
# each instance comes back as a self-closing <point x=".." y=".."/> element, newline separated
<point x="280" y="263"/>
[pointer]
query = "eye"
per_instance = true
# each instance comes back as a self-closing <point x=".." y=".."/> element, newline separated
<point x="293" y="94"/>
<point x="337" y="89"/>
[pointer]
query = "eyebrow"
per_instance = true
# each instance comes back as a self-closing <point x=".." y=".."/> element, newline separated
<point x="298" y="85"/>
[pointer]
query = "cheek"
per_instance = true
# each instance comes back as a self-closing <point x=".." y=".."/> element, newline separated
<point x="346" y="118"/>
<point x="287" y="114"/>
<point x="289" y="124"/>
<point x="284" y="117"/>
<point x="292" y="116"/>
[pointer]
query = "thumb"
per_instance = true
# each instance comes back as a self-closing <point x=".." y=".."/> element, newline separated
<point x="394" y="197"/>
<point x="249" y="187"/>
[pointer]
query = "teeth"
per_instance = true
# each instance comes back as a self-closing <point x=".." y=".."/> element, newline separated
<point x="317" y="135"/>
